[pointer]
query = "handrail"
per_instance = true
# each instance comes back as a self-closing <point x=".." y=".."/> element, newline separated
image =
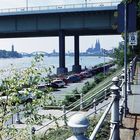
<point x="92" y="137"/>
<point x="77" y="106"/>
<point x="61" y="116"/>
<point x="111" y="135"/>
<point x="106" y="85"/>
<point x="58" y="7"/>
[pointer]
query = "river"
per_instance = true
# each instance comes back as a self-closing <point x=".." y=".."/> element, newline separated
<point x="19" y="63"/>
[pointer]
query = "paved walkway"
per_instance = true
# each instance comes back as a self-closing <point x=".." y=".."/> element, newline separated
<point x="58" y="113"/>
<point x="131" y="124"/>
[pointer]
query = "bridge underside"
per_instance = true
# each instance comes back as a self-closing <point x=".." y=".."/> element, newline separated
<point x="77" y="23"/>
<point x="71" y="32"/>
<point x="59" y="24"/>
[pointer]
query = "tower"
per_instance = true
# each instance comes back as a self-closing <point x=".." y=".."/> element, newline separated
<point x="12" y="48"/>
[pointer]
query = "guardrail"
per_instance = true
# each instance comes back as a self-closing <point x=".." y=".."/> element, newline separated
<point x="59" y="7"/>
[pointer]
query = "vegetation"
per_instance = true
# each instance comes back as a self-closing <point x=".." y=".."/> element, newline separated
<point x="62" y="133"/>
<point x="27" y="81"/>
<point x="9" y="54"/>
<point x="75" y="94"/>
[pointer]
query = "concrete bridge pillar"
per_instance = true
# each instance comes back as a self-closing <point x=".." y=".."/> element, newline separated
<point x="76" y="67"/>
<point x="62" y="69"/>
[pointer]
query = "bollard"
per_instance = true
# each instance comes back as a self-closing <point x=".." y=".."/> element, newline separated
<point x="81" y="101"/>
<point x="115" y="110"/>
<point x="65" y="117"/>
<point x="79" y="124"/>
<point x="129" y="91"/>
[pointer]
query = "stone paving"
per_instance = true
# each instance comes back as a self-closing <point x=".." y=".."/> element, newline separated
<point x="131" y="124"/>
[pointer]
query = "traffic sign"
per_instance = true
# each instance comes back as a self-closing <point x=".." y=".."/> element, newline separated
<point x="133" y="39"/>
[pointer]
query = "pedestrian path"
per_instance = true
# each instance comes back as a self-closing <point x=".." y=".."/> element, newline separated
<point x="131" y="124"/>
<point x="57" y="113"/>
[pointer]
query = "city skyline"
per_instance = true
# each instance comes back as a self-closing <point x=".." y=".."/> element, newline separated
<point x="48" y="44"/>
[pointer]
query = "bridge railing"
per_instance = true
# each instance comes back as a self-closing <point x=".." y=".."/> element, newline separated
<point x="58" y="7"/>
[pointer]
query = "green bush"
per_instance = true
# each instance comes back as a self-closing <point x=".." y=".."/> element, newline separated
<point x="62" y="133"/>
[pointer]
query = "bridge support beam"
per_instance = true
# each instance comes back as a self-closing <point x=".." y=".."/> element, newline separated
<point x="62" y="69"/>
<point x="76" y="67"/>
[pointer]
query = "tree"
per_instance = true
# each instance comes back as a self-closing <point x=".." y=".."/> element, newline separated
<point x="28" y="80"/>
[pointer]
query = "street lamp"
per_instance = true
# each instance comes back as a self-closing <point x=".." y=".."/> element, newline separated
<point x="104" y="62"/>
<point x="86" y="3"/>
<point x="125" y="57"/>
<point x="26" y="4"/>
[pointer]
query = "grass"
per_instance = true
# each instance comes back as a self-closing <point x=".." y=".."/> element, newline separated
<point x="98" y="89"/>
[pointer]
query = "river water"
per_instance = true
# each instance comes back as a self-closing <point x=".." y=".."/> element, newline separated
<point x="19" y="63"/>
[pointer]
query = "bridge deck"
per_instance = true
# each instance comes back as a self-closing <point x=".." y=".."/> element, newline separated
<point x="98" y="6"/>
<point x="131" y="124"/>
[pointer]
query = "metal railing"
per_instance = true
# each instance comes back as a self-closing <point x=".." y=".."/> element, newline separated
<point x="117" y="109"/>
<point x="58" y="7"/>
<point x="87" y="103"/>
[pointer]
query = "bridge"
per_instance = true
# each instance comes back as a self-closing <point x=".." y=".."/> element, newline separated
<point x="62" y="20"/>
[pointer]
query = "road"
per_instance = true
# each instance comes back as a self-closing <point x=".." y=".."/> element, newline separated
<point x="62" y="92"/>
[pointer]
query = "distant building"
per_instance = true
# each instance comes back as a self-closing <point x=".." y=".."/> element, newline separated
<point x="12" y="48"/>
<point x="94" y="50"/>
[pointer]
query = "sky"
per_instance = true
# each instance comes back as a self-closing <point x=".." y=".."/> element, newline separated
<point x="48" y="44"/>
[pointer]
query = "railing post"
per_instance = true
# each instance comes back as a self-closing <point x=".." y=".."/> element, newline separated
<point x="123" y="84"/>
<point x="18" y="121"/>
<point x="105" y="94"/>
<point x="121" y="109"/>
<point x="121" y="112"/>
<point x="129" y="91"/>
<point x="115" y="110"/>
<point x="94" y="105"/>
<point x="12" y="119"/>
<point x="65" y="117"/>
<point x="33" y="130"/>
<point x="79" y="124"/>
<point x="81" y="101"/>
<point x="131" y="73"/>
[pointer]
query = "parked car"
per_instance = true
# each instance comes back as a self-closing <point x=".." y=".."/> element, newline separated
<point x="73" y="78"/>
<point x="86" y="74"/>
<point x="52" y="85"/>
<point x="58" y="82"/>
<point x="63" y="79"/>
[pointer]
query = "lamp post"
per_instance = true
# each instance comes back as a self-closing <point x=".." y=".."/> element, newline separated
<point x="125" y="57"/>
<point x="27" y="5"/>
<point x="86" y="3"/>
<point x="104" y="63"/>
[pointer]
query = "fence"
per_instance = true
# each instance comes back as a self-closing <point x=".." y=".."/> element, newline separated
<point x="116" y="106"/>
